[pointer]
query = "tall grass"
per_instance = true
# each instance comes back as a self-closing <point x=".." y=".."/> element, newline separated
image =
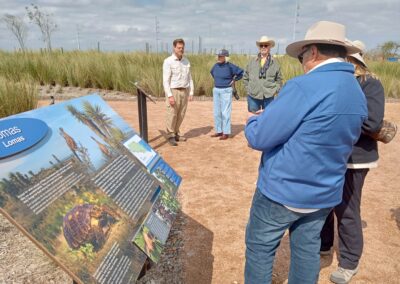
<point x="16" y="97"/>
<point x="115" y="71"/>
<point x="389" y="74"/>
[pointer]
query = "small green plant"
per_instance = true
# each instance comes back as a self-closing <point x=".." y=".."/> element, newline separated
<point x="88" y="251"/>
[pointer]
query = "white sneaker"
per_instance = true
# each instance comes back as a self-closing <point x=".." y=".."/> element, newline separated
<point x="343" y="276"/>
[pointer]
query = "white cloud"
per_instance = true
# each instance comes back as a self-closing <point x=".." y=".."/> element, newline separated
<point x="237" y="24"/>
<point x="121" y="28"/>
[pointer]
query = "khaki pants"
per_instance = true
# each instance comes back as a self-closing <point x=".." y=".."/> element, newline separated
<point x="176" y="113"/>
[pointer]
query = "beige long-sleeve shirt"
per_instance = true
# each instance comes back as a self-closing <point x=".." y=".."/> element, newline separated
<point x="176" y="74"/>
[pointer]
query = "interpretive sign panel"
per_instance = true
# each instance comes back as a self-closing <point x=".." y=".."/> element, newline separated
<point x="86" y="189"/>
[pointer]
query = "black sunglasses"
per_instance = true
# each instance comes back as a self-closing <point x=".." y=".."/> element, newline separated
<point x="264" y="45"/>
<point x="301" y="55"/>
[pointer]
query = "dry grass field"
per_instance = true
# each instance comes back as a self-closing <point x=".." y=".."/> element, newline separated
<point x="218" y="184"/>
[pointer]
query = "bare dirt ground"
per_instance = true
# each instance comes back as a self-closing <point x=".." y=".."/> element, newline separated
<point x="207" y="242"/>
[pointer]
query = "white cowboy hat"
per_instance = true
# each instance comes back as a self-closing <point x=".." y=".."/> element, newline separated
<point x="359" y="55"/>
<point x="360" y="45"/>
<point x="323" y="32"/>
<point x="265" y="39"/>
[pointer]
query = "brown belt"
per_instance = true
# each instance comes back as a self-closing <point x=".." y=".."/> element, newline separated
<point x="179" y="89"/>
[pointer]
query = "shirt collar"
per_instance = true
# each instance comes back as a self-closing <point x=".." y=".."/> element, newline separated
<point x="259" y="57"/>
<point x="176" y="58"/>
<point x="328" y="61"/>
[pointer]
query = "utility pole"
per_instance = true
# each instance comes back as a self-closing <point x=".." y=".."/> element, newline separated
<point x="296" y="19"/>
<point x="200" y="47"/>
<point x="157" y="33"/>
<point x="77" y="37"/>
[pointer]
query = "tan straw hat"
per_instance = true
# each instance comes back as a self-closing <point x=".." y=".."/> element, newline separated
<point x="323" y="32"/>
<point x="265" y="39"/>
<point x="359" y="55"/>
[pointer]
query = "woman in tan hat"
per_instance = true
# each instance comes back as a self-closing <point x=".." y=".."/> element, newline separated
<point x="363" y="157"/>
<point x="262" y="78"/>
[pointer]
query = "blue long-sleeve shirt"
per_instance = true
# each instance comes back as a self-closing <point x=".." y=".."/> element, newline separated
<point x="224" y="73"/>
<point x="306" y="136"/>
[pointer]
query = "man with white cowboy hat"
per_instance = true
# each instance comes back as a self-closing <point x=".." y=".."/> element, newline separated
<point x="262" y="78"/>
<point x="306" y="136"/>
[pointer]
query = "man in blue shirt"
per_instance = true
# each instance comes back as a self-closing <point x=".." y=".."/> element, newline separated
<point x="225" y="75"/>
<point x="305" y="136"/>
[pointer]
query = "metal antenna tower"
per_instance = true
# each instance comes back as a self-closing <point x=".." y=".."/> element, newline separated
<point x="296" y="19"/>
<point x="157" y="33"/>
<point x="77" y="37"/>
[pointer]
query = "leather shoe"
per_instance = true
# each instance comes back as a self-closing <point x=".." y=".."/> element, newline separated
<point x="216" y="135"/>
<point x="180" y="138"/>
<point x="224" y="137"/>
<point x="172" y="142"/>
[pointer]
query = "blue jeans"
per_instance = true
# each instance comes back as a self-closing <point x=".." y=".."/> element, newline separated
<point x="267" y="225"/>
<point x="222" y="109"/>
<point x="254" y="105"/>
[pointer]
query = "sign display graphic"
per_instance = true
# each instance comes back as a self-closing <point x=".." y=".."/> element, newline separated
<point x="86" y="189"/>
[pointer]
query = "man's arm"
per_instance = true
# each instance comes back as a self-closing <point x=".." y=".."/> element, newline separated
<point x="246" y="76"/>
<point x="278" y="79"/>
<point x="167" y="78"/>
<point x="238" y="72"/>
<point x="191" y="86"/>
<point x="277" y="123"/>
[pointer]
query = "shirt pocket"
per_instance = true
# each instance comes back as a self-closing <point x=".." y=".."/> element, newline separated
<point x="185" y="70"/>
<point x="175" y="70"/>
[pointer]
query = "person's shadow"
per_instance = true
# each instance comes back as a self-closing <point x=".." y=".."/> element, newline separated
<point x="396" y="216"/>
<point x="195" y="132"/>
<point x="236" y="129"/>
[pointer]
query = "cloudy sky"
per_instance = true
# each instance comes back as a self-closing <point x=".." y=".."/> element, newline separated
<point x="126" y="25"/>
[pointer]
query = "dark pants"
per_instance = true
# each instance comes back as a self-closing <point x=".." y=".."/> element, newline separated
<point x="349" y="221"/>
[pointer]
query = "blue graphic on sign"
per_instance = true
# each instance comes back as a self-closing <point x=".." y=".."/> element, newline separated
<point x="19" y="134"/>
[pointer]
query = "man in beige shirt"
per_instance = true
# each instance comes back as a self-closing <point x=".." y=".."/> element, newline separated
<point x="178" y="88"/>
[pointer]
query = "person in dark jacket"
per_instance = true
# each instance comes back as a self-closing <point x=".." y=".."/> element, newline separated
<point x="363" y="157"/>
<point x="225" y="74"/>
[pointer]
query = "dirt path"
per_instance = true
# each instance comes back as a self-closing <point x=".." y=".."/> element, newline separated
<point x="218" y="184"/>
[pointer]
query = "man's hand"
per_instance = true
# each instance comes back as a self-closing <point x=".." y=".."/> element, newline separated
<point x="190" y="98"/>
<point x="171" y="101"/>
<point x="250" y="114"/>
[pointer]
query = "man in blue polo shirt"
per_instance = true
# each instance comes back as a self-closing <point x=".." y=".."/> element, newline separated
<point x="305" y="136"/>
